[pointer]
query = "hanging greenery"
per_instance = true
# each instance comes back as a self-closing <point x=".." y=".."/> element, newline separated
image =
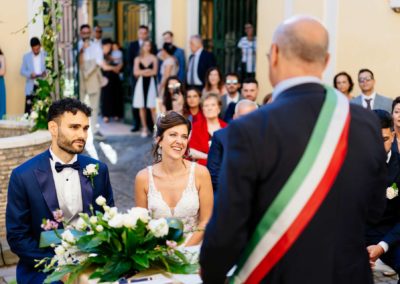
<point x="50" y="87"/>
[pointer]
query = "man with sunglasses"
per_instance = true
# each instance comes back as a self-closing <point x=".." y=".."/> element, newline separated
<point x="369" y="99"/>
<point x="230" y="99"/>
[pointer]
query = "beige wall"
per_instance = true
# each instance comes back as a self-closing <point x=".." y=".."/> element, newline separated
<point x="178" y="25"/>
<point x="362" y="36"/>
<point x="13" y="16"/>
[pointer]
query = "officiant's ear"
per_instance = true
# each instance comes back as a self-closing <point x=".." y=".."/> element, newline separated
<point x="53" y="127"/>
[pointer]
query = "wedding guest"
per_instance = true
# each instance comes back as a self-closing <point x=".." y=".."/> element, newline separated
<point x="133" y="52"/>
<point x="219" y="141"/>
<point x="383" y="237"/>
<point x="396" y="124"/>
<point x="248" y="46"/>
<point x="343" y="82"/>
<point x="368" y="98"/>
<point x="192" y="107"/>
<point x="250" y="89"/>
<point x="169" y="65"/>
<point x="98" y="35"/>
<point x="199" y="62"/>
<point x="173" y="186"/>
<point x="179" y="54"/>
<point x="3" y="104"/>
<point x="53" y="180"/>
<point x="268" y="221"/>
<point x="111" y="93"/>
<point x="145" y="70"/>
<point x="214" y="82"/>
<point x="229" y="100"/>
<point x="33" y="67"/>
<point x="203" y="130"/>
<point x="173" y="98"/>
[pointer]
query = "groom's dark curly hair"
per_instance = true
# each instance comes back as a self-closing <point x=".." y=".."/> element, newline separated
<point x="59" y="107"/>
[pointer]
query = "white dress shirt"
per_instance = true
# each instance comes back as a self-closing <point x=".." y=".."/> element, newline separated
<point x="195" y="61"/>
<point x="248" y="53"/>
<point x="37" y="64"/>
<point x="93" y="52"/>
<point x="372" y="97"/>
<point x="289" y="83"/>
<point x="68" y="188"/>
<point x="229" y="99"/>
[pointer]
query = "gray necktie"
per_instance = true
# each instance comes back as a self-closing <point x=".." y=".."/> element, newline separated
<point x="368" y="101"/>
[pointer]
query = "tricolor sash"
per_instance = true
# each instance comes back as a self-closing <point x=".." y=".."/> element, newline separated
<point x="303" y="193"/>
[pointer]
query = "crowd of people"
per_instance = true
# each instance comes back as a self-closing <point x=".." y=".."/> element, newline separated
<point x="303" y="200"/>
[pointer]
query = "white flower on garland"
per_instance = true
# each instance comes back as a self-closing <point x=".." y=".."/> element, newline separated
<point x="117" y="221"/>
<point x="159" y="227"/>
<point x="140" y="213"/>
<point x="81" y="224"/>
<point x="101" y="201"/>
<point x="392" y="191"/>
<point x="68" y="237"/>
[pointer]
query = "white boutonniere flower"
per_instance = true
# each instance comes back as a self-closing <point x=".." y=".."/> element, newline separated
<point x="392" y="191"/>
<point x="90" y="171"/>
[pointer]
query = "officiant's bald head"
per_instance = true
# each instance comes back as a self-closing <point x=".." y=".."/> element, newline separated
<point x="299" y="48"/>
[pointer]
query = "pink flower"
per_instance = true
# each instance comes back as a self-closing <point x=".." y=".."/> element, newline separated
<point x="58" y="215"/>
<point x="49" y="225"/>
<point x="171" y="244"/>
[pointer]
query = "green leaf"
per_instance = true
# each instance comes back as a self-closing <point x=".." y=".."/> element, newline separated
<point x="59" y="274"/>
<point x="142" y="260"/>
<point x="394" y="186"/>
<point x="88" y="242"/>
<point x="50" y="237"/>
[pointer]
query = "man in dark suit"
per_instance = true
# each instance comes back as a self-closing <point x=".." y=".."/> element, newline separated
<point x="218" y="142"/>
<point x="383" y="237"/>
<point x="50" y="181"/>
<point x="199" y="62"/>
<point x="133" y="51"/>
<point x="309" y="232"/>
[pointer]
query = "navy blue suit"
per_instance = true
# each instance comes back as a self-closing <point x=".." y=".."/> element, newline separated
<point x="215" y="155"/>
<point x="206" y="61"/>
<point x="262" y="150"/>
<point x="31" y="197"/>
<point x="388" y="227"/>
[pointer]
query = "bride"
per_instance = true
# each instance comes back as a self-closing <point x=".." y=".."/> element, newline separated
<point x="173" y="186"/>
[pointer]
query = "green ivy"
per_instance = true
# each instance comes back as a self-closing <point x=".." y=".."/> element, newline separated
<point x="47" y="90"/>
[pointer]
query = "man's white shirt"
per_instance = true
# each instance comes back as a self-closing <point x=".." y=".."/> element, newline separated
<point x="68" y="186"/>
<point x="364" y="97"/>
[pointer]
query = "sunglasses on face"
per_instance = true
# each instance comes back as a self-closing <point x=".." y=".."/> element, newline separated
<point x="174" y="86"/>
<point x="231" y="82"/>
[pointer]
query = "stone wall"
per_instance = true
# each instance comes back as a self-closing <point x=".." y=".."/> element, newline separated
<point x="13" y="128"/>
<point x="13" y="152"/>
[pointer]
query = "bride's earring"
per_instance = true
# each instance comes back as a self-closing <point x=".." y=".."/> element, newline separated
<point x="159" y="151"/>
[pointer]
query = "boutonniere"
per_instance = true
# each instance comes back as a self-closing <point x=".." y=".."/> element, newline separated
<point x="392" y="191"/>
<point x="90" y="171"/>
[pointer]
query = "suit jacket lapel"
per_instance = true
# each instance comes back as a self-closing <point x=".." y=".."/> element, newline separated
<point x="44" y="176"/>
<point x="86" y="187"/>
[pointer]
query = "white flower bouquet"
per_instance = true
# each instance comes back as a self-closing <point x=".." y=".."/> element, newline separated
<point x="113" y="245"/>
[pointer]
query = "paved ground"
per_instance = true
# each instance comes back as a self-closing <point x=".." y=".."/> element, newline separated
<point x="133" y="155"/>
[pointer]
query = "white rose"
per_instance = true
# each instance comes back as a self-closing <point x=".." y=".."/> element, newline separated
<point x="117" y="221"/>
<point x="68" y="237"/>
<point x="65" y="244"/>
<point x="91" y="169"/>
<point x="140" y="213"/>
<point x="113" y="211"/>
<point x="34" y="115"/>
<point x="101" y="201"/>
<point x="99" y="228"/>
<point x="59" y="250"/>
<point x="130" y="220"/>
<point x="93" y="220"/>
<point x="391" y="193"/>
<point x="159" y="227"/>
<point x="81" y="224"/>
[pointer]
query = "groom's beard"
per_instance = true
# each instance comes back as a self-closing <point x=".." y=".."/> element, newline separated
<point x="68" y="146"/>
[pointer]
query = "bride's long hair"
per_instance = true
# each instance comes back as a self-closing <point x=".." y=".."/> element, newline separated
<point x="164" y="122"/>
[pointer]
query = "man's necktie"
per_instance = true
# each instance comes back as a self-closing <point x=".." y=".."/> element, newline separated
<point x="193" y="57"/>
<point x="59" y="167"/>
<point x="368" y="101"/>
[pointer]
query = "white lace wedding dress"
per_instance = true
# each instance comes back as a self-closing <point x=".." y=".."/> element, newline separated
<point x="187" y="208"/>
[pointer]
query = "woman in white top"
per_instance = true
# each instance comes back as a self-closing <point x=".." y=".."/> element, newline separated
<point x="169" y="66"/>
<point x="173" y="186"/>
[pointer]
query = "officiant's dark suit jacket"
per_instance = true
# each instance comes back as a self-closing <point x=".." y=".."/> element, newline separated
<point x="32" y="196"/>
<point x="262" y="151"/>
<point x="215" y="155"/>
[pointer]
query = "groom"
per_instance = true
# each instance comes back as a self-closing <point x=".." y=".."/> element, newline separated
<point x="50" y="181"/>
<point x="300" y="177"/>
